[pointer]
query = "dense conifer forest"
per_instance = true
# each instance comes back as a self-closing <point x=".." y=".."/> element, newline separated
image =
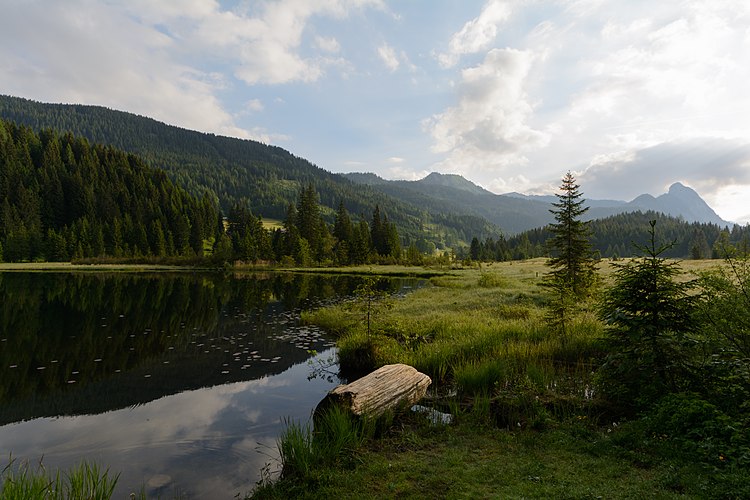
<point x="264" y="178"/>
<point x="617" y="236"/>
<point x="62" y="199"/>
<point x="83" y="182"/>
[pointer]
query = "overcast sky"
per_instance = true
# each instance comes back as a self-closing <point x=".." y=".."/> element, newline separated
<point x="630" y="96"/>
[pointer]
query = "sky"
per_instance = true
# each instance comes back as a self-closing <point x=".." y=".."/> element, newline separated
<point x="630" y="96"/>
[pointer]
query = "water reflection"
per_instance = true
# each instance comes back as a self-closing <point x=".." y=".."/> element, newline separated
<point x="208" y="443"/>
<point x="158" y="375"/>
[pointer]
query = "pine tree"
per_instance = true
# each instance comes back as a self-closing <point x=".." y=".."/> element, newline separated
<point x="650" y="314"/>
<point x="309" y="221"/>
<point x="378" y="234"/>
<point x="343" y="231"/>
<point x="393" y="241"/>
<point x="572" y="262"/>
<point x="291" y="232"/>
<point x="475" y="249"/>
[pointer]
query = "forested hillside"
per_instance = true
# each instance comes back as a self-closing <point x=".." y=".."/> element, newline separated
<point x="264" y="178"/>
<point x="454" y="194"/>
<point x="618" y="235"/>
<point x="62" y="198"/>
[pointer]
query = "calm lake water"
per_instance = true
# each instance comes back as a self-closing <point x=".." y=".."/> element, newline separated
<point x="180" y="382"/>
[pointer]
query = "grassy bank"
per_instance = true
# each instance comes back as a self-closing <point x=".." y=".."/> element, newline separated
<point x="21" y="480"/>
<point x="528" y="419"/>
<point x="67" y="266"/>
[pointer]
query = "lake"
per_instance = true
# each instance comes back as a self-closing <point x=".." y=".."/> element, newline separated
<point x="181" y="382"/>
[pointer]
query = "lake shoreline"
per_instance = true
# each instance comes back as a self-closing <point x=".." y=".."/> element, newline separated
<point x="376" y="270"/>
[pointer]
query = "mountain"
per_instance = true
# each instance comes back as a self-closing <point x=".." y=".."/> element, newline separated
<point x="680" y="201"/>
<point x="454" y="194"/>
<point x="453" y="181"/>
<point x="515" y="212"/>
<point x="444" y="208"/>
<point x="265" y="178"/>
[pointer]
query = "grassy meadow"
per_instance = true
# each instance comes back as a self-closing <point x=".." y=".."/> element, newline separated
<point x="528" y="419"/>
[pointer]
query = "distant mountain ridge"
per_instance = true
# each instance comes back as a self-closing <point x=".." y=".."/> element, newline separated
<point x="515" y="212"/>
<point x="445" y="208"/>
<point x="679" y="201"/>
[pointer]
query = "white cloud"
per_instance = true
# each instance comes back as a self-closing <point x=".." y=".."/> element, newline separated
<point x="476" y="34"/>
<point x="708" y="165"/>
<point x="327" y="44"/>
<point x="395" y="159"/>
<point x="254" y="105"/>
<point x="488" y="128"/>
<point x="648" y="77"/>
<point x="95" y="54"/>
<point x="501" y="185"/>
<point x="147" y="57"/>
<point x="398" y="172"/>
<point x="267" y="46"/>
<point x="388" y="56"/>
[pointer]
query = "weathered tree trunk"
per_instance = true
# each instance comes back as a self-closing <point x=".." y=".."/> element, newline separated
<point x="389" y="387"/>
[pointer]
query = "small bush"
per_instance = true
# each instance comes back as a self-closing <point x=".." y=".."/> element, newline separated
<point x="475" y="377"/>
<point x="492" y="280"/>
<point x="357" y="355"/>
<point x="699" y="429"/>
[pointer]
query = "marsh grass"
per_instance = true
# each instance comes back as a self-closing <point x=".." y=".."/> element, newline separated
<point x="330" y="441"/>
<point x="21" y="480"/>
<point x="457" y="326"/>
<point x="528" y="422"/>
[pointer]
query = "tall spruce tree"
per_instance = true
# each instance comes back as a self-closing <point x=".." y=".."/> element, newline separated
<point x="343" y="231"/>
<point x="571" y="257"/>
<point x="378" y="233"/>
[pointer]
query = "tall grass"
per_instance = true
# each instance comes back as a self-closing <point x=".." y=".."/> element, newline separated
<point x="21" y="480"/>
<point x="476" y="332"/>
<point x="331" y="441"/>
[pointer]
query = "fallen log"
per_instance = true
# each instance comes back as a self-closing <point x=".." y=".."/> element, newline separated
<point x="390" y="387"/>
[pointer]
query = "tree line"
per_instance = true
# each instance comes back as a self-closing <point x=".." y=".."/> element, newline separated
<point x="676" y="349"/>
<point x="618" y="236"/>
<point x="305" y="239"/>
<point x="62" y="198"/>
<point x="230" y="171"/>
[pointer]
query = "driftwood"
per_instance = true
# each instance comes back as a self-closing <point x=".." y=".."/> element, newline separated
<point x="387" y="388"/>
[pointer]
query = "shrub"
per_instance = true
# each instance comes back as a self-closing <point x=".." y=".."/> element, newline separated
<point x="686" y="427"/>
<point x="649" y="314"/>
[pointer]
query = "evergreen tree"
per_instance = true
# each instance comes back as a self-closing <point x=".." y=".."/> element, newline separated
<point x="413" y="255"/>
<point x="393" y="241"/>
<point x="342" y="226"/>
<point x="309" y="222"/>
<point x="378" y="234"/>
<point x="158" y="240"/>
<point x="361" y="243"/>
<point x="291" y="233"/>
<point x="572" y="261"/>
<point x="475" y="249"/>
<point x="699" y="247"/>
<point x="650" y="314"/>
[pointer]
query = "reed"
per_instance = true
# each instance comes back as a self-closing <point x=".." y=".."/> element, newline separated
<point x="86" y="481"/>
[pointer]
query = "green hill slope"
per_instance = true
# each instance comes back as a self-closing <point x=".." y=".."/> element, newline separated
<point x="63" y="198"/>
<point x="267" y="177"/>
